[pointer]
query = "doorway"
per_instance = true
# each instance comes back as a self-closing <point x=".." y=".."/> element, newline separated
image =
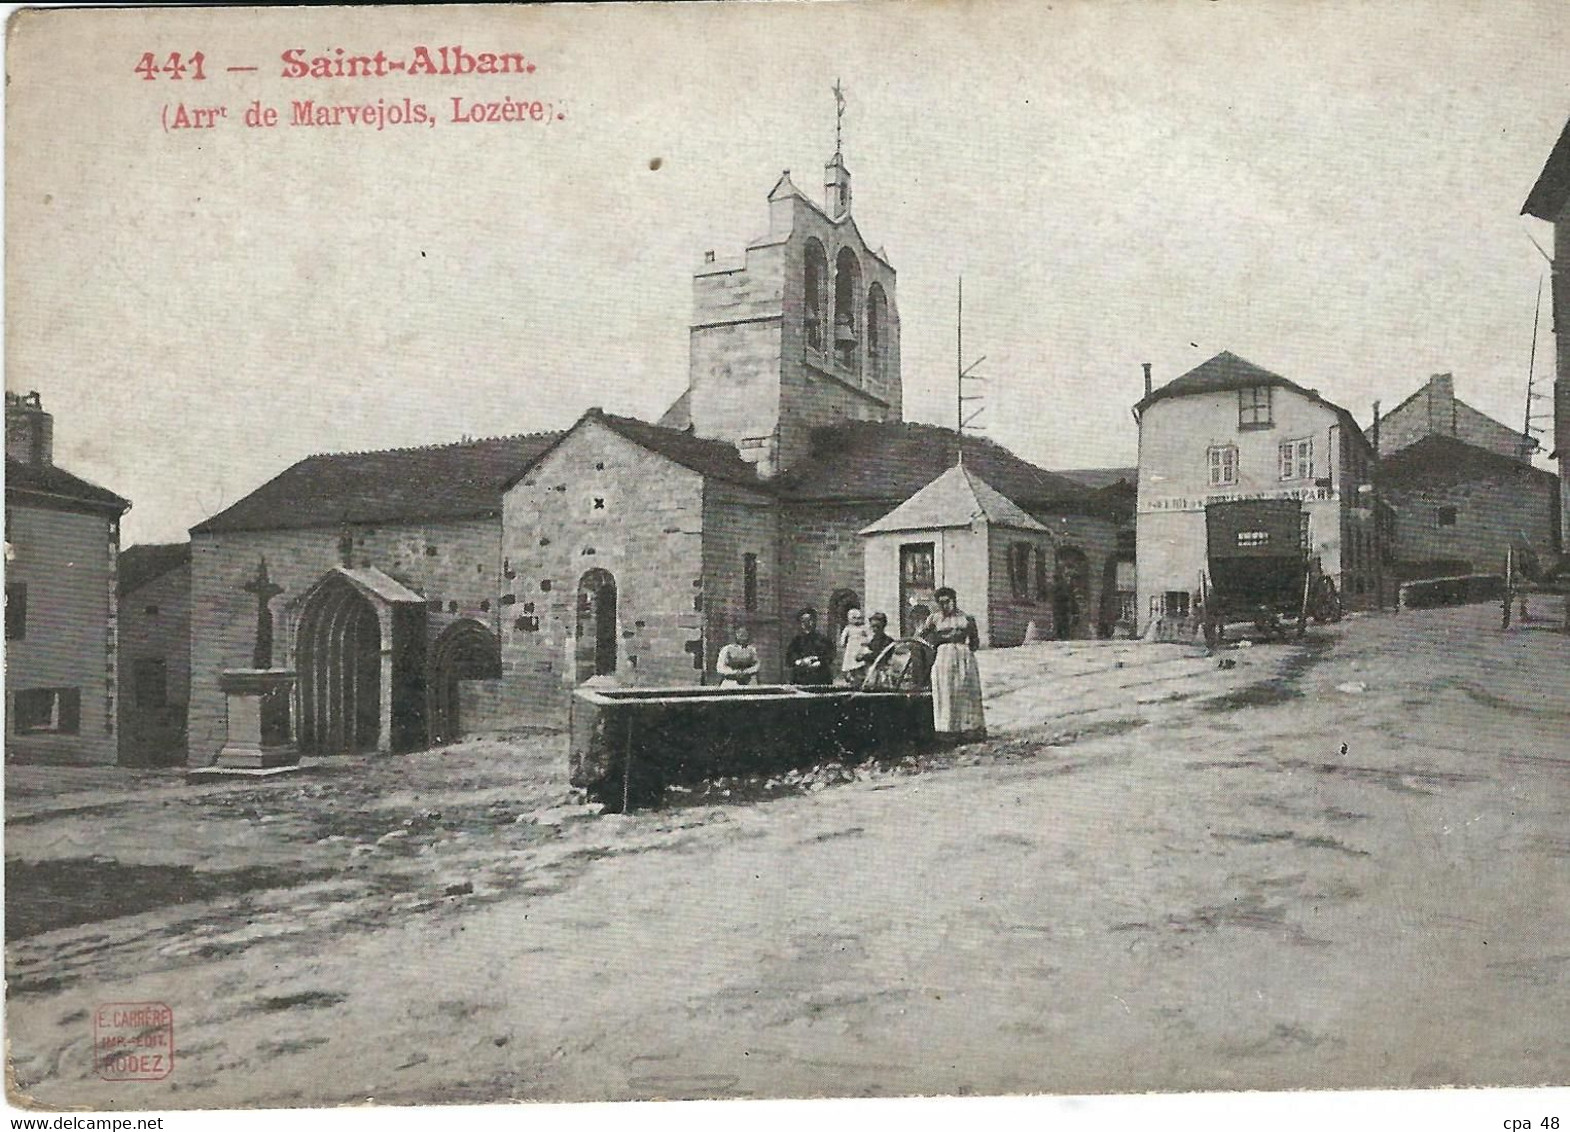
<point x="465" y="651"/>
<point x="339" y="655"/>
<point x="597" y="632"/>
<point x="917" y="584"/>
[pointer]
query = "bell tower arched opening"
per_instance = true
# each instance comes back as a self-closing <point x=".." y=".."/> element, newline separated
<point x="847" y="312"/>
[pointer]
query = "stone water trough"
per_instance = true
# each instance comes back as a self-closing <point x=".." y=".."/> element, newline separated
<point x="628" y="744"/>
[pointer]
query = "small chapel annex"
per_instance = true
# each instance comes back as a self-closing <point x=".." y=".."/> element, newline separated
<point x="423" y="593"/>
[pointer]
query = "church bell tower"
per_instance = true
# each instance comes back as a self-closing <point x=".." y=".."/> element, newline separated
<point x="801" y="332"/>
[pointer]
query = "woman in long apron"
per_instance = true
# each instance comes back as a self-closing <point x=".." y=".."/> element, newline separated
<point x="956" y="682"/>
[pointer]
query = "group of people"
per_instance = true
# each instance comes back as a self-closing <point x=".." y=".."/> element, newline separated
<point x="811" y="658"/>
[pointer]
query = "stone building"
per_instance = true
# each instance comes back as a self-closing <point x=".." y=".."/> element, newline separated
<point x="1434" y="410"/>
<point x="1459" y="508"/>
<point x="62" y="544"/>
<point x="1550" y="200"/>
<point x="155" y="653"/>
<point x="1230" y="430"/>
<point x="1461" y="485"/>
<point x="422" y="593"/>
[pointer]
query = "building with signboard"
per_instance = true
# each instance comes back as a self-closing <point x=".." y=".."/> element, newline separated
<point x="1229" y="430"/>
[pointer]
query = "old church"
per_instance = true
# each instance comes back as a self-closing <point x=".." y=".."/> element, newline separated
<point x="423" y="593"/>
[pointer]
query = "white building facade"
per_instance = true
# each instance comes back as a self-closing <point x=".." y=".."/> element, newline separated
<point x="1227" y="431"/>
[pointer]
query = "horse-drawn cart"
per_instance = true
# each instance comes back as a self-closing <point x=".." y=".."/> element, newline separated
<point x="1259" y="570"/>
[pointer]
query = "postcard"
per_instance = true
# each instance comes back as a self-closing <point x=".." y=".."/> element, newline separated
<point x="598" y="553"/>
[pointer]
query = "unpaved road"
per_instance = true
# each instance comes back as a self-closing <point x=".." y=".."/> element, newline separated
<point x="1156" y="875"/>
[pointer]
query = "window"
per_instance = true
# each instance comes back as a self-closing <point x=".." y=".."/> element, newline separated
<point x="1297" y="460"/>
<point x="1253" y="407"/>
<point x="150" y="678"/>
<point x="1223" y="465"/>
<point x="1253" y="538"/>
<point x="16" y="612"/>
<point x="1446" y="517"/>
<point x="47" y="711"/>
<point x="749" y="582"/>
<point x="1019" y="570"/>
<point x="1304" y="540"/>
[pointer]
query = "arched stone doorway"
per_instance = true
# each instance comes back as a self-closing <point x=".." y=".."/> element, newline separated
<point x="338" y="654"/>
<point x="466" y="650"/>
<point x="597" y="632"/>
<point x="1070" y="593"/>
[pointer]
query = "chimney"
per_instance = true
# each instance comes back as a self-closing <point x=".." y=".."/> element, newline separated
<point x="1442" y="404"/>
<point x="1375" y="437"/>
<point x="1147" y="379"/>
<point x="29" y="431"/>
<point x="836" y="187"/>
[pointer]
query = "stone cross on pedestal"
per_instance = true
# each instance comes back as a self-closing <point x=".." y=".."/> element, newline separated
<point x="265" y="590"/>
<point x="257" y="699"/>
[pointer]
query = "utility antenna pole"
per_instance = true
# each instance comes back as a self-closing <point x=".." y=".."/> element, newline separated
<point x="965" y="373"/>
<point x="1528" y="429"/>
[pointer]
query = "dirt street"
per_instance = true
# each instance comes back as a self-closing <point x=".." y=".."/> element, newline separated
<point x="1343" y="862"/>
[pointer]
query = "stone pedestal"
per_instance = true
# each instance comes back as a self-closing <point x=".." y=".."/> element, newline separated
<point x="259" y="732"/>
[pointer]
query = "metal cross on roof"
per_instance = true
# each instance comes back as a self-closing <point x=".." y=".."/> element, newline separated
<point x="839" y="114"/>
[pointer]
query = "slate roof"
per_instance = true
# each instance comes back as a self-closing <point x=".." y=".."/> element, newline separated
<point x="149" y="561"/>
<point x="1438" y="460"/>
<point x="889" y="461"/>
<point x="1547" y="198"/>
<point x="49" y="486"/>
<point x="715" y="459"/>
<point x="955" y="499"/>
<point x="448" y="481"/>
<point x="1225" y="372"/>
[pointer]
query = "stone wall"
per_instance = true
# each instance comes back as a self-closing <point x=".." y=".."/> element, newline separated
<point x="155" y="626"/>
<point x="738" y="523"/>
<point x="456" y="566"/>
<point x="1435" y="411"/>
<point x="598" y="501"/>
<point x="1488" y="515"/>
<point x="821" y="553"/>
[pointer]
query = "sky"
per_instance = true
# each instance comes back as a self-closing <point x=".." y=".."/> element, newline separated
<point x="1330" y="189"/>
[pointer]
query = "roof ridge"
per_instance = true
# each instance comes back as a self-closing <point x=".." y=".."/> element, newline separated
<point x="542" y="433"/>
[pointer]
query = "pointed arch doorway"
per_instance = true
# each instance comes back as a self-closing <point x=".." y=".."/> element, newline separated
<point x="338" y="653"/>
<point x="597" y="631"/>
<point x="466" y="650"/>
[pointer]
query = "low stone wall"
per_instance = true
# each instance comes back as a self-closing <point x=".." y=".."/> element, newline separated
<point x="1463" y="589"/>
